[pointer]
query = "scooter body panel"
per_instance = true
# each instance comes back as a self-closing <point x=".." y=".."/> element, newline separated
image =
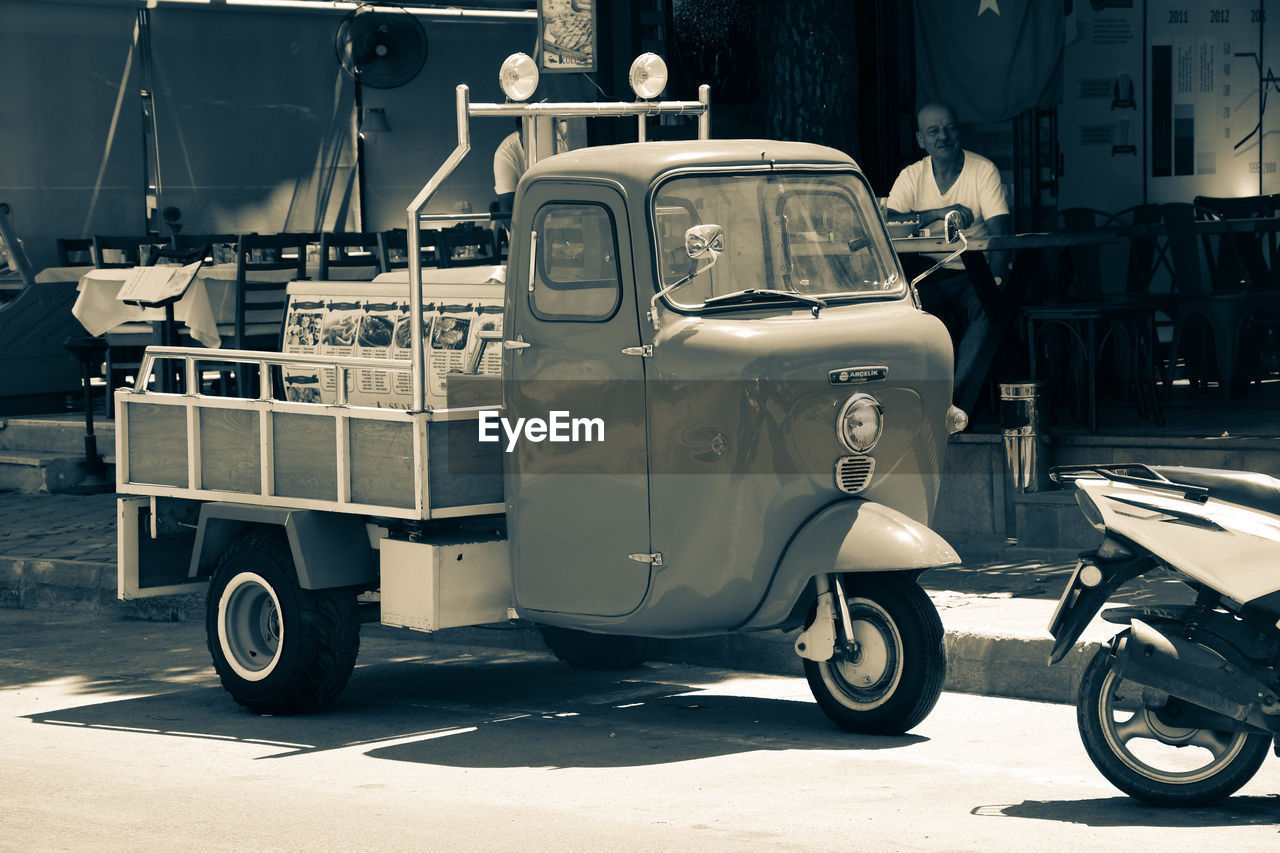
<point x="1233" y="549"/>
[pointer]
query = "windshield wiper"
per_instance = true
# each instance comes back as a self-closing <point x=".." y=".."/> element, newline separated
<point x="752" y="294"/>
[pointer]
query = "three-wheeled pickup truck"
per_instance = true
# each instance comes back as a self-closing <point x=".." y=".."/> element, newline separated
<point x="720" y="409"/>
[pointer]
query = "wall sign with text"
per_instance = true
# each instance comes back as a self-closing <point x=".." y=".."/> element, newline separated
<point x="1206" y="66"/>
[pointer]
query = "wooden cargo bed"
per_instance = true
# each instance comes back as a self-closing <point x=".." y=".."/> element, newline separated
<point x="352" y="459"/>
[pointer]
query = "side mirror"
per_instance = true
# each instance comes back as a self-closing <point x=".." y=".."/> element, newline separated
<point x="704" y="241"/>
<point x="952" y="226"/>
<point x="953" y="232"/>
<point x="700" y="241"/>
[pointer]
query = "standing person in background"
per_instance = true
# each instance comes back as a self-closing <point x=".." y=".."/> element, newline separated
<point x="508" y="166"/>
<point x="950" y="178"/>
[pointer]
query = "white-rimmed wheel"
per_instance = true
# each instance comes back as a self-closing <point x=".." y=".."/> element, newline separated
<point x="278" y="648"/>
<point x="1132" y="737"/>
<point x="893" y="678"/>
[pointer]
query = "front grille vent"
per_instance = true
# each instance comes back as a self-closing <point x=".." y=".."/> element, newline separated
<point x="853" y="473"/>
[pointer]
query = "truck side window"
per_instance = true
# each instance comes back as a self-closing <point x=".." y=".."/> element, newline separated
<point x="576" y="276"/>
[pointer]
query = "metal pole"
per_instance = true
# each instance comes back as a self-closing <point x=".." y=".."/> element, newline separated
<point x="414" y="241"/>
<point x="598" y="110"/>
<point x="704" y="117"/>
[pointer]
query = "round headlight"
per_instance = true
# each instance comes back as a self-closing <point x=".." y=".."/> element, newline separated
<point x="518" y="76"/>
<point x="648" y="76"/>
<point x="860" y="423"/>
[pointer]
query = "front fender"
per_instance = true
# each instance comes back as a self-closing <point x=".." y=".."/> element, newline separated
<point x="849" y="536"/>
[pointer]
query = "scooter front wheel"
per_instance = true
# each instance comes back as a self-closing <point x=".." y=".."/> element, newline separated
<point x="893" y="680"/>
<point x="1131" y="737"/>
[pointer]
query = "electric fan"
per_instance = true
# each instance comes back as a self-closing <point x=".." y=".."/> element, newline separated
<point x="380" y="48"/>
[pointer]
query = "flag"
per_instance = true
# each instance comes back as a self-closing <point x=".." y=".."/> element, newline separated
<point x="989" y="59"/>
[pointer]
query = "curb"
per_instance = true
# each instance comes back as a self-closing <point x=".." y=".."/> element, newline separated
<point x="987" y="663"/>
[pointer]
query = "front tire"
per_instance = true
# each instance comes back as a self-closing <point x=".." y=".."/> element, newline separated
<point x="895" y="680"/>
<point x="278" y="648"/>
<point x="1151" y="760"/>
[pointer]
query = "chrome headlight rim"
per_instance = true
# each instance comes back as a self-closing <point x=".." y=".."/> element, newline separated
<point x="856" y="402"/>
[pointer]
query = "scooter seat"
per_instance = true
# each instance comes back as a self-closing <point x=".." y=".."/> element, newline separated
<point x="1256" y="491"/>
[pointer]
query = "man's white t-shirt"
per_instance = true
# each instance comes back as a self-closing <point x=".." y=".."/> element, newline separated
<point x="508" y="164"/>
<point x="978" y="188"/>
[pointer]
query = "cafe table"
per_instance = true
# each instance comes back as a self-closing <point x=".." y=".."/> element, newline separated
<point x="999" y="304"/>
<point x="208" y="302"/>
<point x="210" y="298"/>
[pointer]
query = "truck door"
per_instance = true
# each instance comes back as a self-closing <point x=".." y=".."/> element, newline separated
<point x="576" y="475"/>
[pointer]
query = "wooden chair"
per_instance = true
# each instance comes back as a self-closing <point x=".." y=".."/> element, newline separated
<point x="260" y="302"/>
<point x="1091" y="319"/>
<point x="393" y="249"/>
<point x="309" y="240"/>
<point x="1251" y="248"/>
<point x="468" y="245"/>
<point x="1224" y="302"/>
<point x="115" y="252"/>
<point x="75" y="251"/>
<point x="336" y="253"/>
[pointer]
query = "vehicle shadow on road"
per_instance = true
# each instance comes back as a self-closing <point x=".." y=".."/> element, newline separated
<point x="515" y="711"/>
<point x="1124" y="811"/>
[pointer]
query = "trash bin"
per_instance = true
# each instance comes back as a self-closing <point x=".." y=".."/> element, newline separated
<point x="1023" y="411"/>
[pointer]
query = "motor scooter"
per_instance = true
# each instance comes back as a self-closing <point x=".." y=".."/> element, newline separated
<point x="1180" y="708"/>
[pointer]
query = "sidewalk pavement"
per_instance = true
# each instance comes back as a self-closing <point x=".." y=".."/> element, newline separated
<point x="59" y="551"/>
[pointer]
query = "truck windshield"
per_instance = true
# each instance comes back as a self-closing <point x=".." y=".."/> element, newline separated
<point x="812" y="233"/>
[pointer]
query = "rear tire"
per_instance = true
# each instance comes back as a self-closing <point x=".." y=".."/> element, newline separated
<point x="278" y="648"/>
<point x="898" y="677"/>
<point x="586" y="650"/>
<point x="1151" y="760"/>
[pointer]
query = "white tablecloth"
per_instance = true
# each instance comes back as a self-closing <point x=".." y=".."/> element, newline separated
<point x="51" y="274"/>
<point x="210" y="300"/>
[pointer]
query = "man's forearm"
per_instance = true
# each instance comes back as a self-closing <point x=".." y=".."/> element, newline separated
<point x="999" y="226"/>
<point x="999" y="263"/>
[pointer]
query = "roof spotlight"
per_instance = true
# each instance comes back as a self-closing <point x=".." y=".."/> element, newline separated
<point x="518" y="76"/>
<point x="648" y="76"/>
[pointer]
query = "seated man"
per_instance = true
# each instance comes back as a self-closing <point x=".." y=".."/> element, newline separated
<point x="508" y="166"/>
<point x="950" y="178"/>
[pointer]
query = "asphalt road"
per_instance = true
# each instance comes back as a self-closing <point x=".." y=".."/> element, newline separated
<point x="117" y="736"/>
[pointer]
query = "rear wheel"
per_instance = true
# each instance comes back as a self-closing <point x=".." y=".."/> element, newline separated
<point x="278" y="648"/>
<point x="586" y="650"/>
<point x="1129" y="734"/>
<point x="893" y="680"/>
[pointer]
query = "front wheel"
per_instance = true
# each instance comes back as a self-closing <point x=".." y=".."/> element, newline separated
<point x="278" y="648"/>
<point x="1130" y="736"/>
<point x="893" y="680"/>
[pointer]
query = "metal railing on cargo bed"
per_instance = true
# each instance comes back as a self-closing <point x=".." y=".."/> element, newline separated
<point x="267" y="451"/>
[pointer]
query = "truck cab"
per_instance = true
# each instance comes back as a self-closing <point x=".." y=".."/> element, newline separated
<point x="720" y="401"/>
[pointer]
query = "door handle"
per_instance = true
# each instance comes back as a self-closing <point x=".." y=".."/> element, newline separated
<point x="518" y="344"/>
